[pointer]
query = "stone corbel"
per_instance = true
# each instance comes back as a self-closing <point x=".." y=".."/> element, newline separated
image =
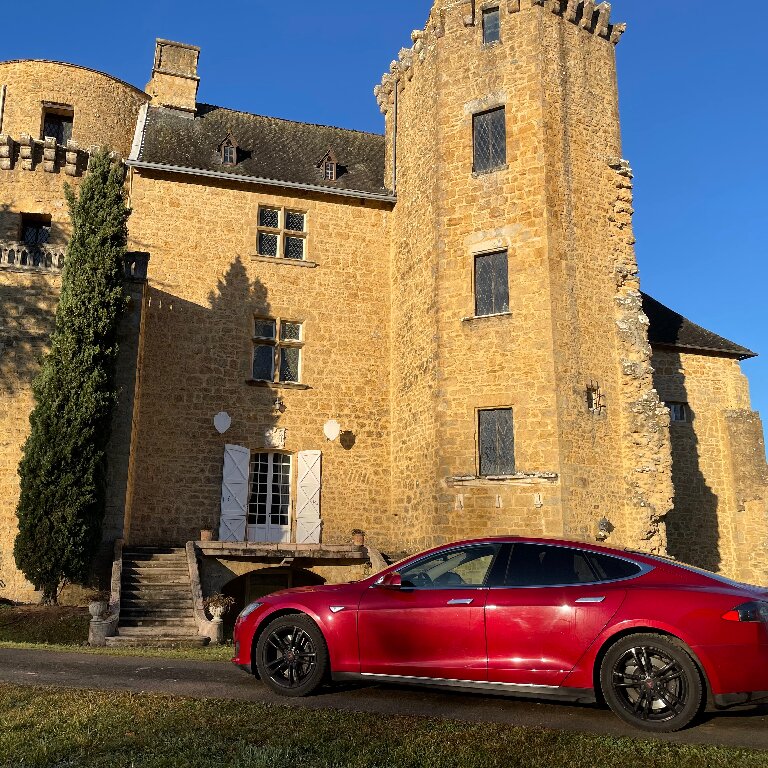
<point x="617" y="30"/>
<point x="71" y="158"/>
<point x="603" y="19"/>
<point x="49" y="154"/>
<point x="513" y="6"/>
<point x="470" y="13"/>
<point x="556" y="6"/>
<point x="588" y="14"/>
<point x="6" y="152"/>
<point x="26" y="151"/>
<point x="572" y="11"/>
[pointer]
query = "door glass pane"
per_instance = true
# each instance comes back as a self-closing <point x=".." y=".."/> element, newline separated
<point x="257" y="506"/>
<point x="263" y="362"/>
<point x="281" y="489"/>
<point x="466" y="567"/>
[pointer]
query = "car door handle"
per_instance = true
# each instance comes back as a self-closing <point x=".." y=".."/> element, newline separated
<point x="461" y="601"/>
<point x="590" y="599"/>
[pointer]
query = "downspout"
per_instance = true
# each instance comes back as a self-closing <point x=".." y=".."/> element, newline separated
<point x="2" y="105"/>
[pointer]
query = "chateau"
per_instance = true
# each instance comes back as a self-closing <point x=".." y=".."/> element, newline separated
<point x="430" y="334"/>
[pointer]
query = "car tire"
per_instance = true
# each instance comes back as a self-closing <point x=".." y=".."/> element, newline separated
<point x="291" y="656"/>
<point x="651" y="682"/>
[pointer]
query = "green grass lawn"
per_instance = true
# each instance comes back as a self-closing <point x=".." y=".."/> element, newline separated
<point x="51" y="728"/>
<point x="61" y="628"/>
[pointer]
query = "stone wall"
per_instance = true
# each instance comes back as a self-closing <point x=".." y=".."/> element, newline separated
<point x="205" y="286"/>
<point x="720" y="519"/>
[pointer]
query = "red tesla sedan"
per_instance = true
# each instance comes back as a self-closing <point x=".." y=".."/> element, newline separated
<point x="530" y="617"/>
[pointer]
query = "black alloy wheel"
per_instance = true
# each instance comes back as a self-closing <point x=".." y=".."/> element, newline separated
<point x="652" y="683"/>
<point x="291" y="655"/>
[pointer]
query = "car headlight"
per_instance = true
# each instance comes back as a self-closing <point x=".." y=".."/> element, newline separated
<point x="248" y="610"/>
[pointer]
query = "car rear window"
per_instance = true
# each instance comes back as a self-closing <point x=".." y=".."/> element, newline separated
<point x="540" y="565"/>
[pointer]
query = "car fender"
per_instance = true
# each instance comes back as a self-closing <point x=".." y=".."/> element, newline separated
<point x="583" y="675"/>
<point x="339" y="630"/>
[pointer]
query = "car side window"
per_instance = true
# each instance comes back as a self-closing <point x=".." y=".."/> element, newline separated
<point x="536" y="565"/>
<point x="455" y="568"/>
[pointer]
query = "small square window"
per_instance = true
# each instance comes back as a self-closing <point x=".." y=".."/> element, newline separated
<point x="269" y="217"/>
<point x="294" y="248"/>
<point x="290" y="331"/>
<point x="268" y="244"/>
<point x="264" y="329"/>
<point x="496" y="439"/>
<point x="35" y="228"/>
<point x="491" y="25"/>
<point x="58" y="124"/>
<point x="491" y="284"/>
<point x="294" y="221"/>
<point x="490" y="140"/>
<point x="679" y="412"/>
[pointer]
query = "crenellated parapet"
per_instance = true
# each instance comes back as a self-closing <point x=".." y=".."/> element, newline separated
<point x="592" y="17"/>
<point x="29" y="154"/>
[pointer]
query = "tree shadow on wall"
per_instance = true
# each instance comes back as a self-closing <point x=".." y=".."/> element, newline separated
<point x="693" y="525"/>
<point x="197" y="362"/>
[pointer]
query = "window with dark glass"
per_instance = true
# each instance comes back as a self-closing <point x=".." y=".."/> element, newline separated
<point x="679" y="413"/>
<point x="538" y="565"/>
<point x="490" y="140"/>
<point x="277" y="350"/>
<point x="282" y="233"/>
<point x="58" y="124"/>
<point x="35" y="228"/>
<point x="491" y="284"/>
<point x="464" y="567"/>
<point x="491" y="25"/>
<point x="329" y="169"/>
<point x="229" y="155"/>
<point x="496" y="442"/>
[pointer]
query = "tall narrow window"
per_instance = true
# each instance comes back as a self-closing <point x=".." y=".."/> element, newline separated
<point x="58" y="122"/>
<point x="491" y="25"/>
<point x="491" y="284"/>
<point x="490" y="140"/>
<point x="496" y="439"/>
<point x="277" y="350"/>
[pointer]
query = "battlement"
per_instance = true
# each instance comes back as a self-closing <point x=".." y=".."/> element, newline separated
<point x="593" y="18"/>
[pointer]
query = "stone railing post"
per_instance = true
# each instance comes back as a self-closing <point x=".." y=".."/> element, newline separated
<point x="6" y="152"/>
<point x="49" y="154"/>
<point x="70" y="167"/>
<point x="26" y="152"/>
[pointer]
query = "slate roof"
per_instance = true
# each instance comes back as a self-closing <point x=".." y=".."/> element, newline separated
<point x="268" y="148"/>
<point x="670" y="329"/>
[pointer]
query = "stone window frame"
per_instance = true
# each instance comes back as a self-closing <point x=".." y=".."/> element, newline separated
<point x="282" y="233"/>
<point x="56" y="109"/>
<point x="595" y="399"/>
<point x="278" y="343"/>
<point x="484" y="14"/>
<point x="479" y="445"/>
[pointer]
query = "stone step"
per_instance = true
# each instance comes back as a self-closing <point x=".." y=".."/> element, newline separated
<point x="158" y="641"/>
<point x="135" y="601"/>
<point x="165" y="623"/>
<point x="153" y="551"/>
<point x="132" y="579"/>
<point x="155" y="613"/>
<point x="152" y="565"/>
<point x="156" y="559"/>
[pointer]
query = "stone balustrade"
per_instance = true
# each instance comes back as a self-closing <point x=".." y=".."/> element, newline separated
<point x="36" y="258"/>
<point x="29" y="154"/>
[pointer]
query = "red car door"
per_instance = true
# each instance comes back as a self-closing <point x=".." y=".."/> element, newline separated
<point x="547" y="613"/>
<point x="432" y="626"/>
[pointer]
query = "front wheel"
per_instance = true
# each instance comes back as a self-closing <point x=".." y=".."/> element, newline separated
<point x="291" y="656"/>
<point x="652" y="683"/>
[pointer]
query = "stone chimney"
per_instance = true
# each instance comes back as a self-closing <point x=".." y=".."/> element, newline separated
<point x="174" y="78"/>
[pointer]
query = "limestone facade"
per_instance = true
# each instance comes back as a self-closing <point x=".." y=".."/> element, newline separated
<point x="392" y="348"/>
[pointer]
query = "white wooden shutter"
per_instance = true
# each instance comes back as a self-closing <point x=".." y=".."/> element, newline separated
<point x="309" y="477"/>
<point x="234" y="493"/>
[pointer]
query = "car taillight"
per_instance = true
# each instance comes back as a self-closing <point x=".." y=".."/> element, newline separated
<point x="754" y="611"/>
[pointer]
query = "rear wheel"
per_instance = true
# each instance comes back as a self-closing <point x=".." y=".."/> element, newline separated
<point x="652" y="683"/>
<point x="291" y="655"/>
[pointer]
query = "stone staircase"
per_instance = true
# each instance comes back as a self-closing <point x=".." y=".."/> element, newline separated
<point x="156" y="600"/>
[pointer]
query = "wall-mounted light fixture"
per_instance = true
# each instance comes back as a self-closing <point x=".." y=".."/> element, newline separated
<point x="604" y="529"/>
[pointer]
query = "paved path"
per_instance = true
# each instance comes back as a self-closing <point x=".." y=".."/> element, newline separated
<point x="746" y="727"/>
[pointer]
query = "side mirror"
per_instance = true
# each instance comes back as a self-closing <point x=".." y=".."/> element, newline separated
<point x="391" y="580"/>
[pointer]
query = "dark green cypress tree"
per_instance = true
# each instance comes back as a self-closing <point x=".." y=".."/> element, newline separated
<point x="63" y="469"/>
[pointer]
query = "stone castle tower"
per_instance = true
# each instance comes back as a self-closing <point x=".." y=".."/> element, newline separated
<point x="568" y="351"/>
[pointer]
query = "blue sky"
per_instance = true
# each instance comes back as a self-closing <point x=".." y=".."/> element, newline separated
<point x="693" y="99"/>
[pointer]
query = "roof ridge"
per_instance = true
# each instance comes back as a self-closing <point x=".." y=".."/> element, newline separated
<point x="288" y="120"/>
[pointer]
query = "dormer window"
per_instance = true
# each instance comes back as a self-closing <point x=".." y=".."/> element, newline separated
<point x="228" y="149"/>
<point x="329" y="167"/>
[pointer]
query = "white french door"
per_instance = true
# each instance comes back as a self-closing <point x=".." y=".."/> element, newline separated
<point x="269" y="504"/>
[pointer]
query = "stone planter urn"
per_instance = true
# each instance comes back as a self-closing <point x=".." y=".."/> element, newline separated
<point x="98" y="608"/>
<point x="218" y="611"/>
